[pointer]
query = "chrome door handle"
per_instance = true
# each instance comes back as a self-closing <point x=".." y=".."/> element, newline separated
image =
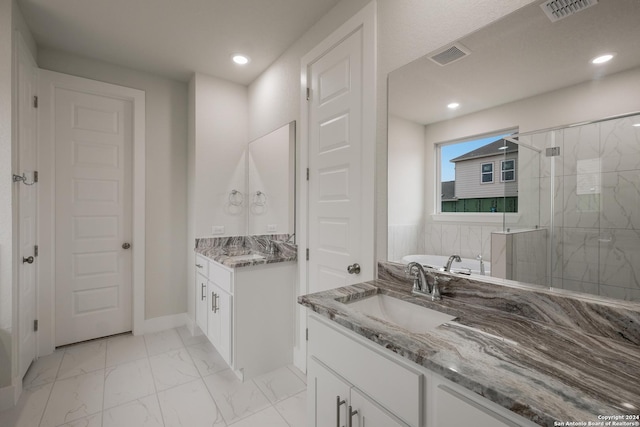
<point x="338" y="404"/>
<point x="27" y="260"/>
<point x="202" y="293"/>
<point x="126" y="245"/>
<point x="354" y="268"/>
<point x="351" y="414"/>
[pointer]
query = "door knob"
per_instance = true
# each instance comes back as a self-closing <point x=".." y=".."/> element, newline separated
<point x="126" y="246"/>
<point x="354" y="268"/>
<point x="27" y="260"/>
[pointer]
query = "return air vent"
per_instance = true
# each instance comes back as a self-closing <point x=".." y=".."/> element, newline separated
<point x="450" y="54"/>
<point x="560" y="9"/>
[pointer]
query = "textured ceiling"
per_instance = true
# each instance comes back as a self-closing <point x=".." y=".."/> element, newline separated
<point x="521" y="55"/>
<point x="174" y="38"/>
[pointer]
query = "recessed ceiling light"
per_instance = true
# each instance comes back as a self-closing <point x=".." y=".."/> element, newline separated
<point x="603" y="58"/>
<point x="453" y="105"/>
<point x="240" y="59"/>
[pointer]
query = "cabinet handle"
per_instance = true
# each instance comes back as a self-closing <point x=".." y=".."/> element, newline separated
<point x="213" y="302"/>
<point x="202" y="293"/>
<point x="351" y="414"/>
<point x="217" y="305"/>
<point x="198" y="265"/>
<point x="338" y="404"/>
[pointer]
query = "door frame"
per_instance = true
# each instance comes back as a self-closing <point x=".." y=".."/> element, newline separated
<point x="365" y="19"/>
<point x="48" y="82"/>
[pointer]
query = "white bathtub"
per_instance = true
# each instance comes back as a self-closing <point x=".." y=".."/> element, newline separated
<point x="439" y="261"/>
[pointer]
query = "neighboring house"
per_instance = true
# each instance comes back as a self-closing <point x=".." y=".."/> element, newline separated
<point x="486" y="180"/>
<point x="488" y="171"/>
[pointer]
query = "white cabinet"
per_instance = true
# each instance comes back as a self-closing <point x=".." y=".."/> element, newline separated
<point x="332" y="401"/>
<point x="468" y="409"/>
<point x="202" y="268"/>
<point x="248" y="314"/>
<point x="219" y="320"/>
<point x="386" y="389"/>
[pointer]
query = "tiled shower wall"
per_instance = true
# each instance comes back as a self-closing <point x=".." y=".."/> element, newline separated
<point x="595" y="244"/>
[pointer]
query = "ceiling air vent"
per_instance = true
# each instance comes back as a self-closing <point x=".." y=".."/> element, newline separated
<point x="560" y="9"/>
<point x="450" y="54"/>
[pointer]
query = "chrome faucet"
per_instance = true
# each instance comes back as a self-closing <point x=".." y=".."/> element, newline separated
<point x="420" y="283"/>
<point x="452" y="258"/>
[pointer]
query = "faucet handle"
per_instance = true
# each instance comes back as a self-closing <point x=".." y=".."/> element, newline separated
<point x="479" y="257"/>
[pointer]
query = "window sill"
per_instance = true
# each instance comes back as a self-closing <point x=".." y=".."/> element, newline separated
<point x="493" y="218"/>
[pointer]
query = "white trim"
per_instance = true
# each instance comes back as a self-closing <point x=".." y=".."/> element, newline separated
<point x="365" y="19"/>
<point x="502" y="170"/>
<point x="482" y="172"/>
<point x="48" y="81"/>
<point x="163" y="323"/>
<point x="480" y="217"/>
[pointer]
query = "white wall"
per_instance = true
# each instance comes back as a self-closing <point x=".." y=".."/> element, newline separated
<point x="220" y="150"/>
<point x="406" y="177"/>
<point x="6" y="200"/>
<point x="166" y="174"/>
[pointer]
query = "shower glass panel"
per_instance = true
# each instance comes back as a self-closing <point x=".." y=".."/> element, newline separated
<point x="590" y="206"/>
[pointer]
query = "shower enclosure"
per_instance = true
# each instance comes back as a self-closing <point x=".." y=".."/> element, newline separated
<point x="585" y="199"/>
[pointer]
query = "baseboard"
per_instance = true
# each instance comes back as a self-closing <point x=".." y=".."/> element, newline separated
<point x="191" y="326"/>
<point x="163" y="323"/>
<point x="9" y="395"/>
<point x="300" y="359"/>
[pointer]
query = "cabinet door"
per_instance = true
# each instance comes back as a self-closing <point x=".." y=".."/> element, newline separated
<point x="201" y="302"/>
<point x="325" y="392"/>
<point x="454" y="410"/>
<point x="370" y="414"/>
<point x="219" y="320"/>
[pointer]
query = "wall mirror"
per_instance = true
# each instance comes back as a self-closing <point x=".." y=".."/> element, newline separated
<point x="577" y="222"/>
<point x="270" y="197"/>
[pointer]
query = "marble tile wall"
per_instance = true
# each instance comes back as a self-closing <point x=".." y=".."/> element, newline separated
<point x="404" y="239"/>
<point x="595" y="244"/>
<point x="467" y="240"/>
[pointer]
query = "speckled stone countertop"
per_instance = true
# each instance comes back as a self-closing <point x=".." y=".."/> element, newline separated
<point x="223" y="250"/>
<point x="546" y="356"/>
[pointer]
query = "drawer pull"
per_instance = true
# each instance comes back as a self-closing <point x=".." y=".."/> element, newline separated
<point x="217" y="303"/>
<point x="213" y="302"/>
<point x="338" y="404"/>
<point x="351" y="414"/>
<point x="202" y="293"/>
<point x="198" y="265"/>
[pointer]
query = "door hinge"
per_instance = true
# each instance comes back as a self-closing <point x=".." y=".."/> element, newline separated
<point x="35" y="101"/>
<point x="307" y="334"/>
<point x="35" y="325"/>
<point x="307" y="174"/>
<point x="307" y="254"/>
<point x="308" y="93"/>
<point x="35" y="250"/>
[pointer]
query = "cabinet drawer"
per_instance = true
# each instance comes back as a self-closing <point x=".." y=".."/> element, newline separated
<point x="221" y="276"/>
<point x="369" y="370"/>
<point x="202" y="265"/>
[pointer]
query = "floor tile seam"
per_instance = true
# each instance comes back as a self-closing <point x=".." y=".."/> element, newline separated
<point x="213" y="399"/>
<point x="282" y="416"/>
<point x="105" y="408"/>
<point x="127" y="361"/>
<point x="44" y="408"/>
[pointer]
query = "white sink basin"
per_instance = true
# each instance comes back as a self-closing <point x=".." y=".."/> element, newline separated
<point x="403" y="314"/>
<point x="247" y="257"/>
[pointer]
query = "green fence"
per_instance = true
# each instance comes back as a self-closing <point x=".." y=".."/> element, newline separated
<point x="490" y="204"/>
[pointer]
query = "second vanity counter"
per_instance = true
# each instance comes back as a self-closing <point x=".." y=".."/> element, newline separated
<point x="548" y="357"/>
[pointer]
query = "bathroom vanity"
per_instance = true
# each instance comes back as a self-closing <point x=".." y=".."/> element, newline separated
<point x="244" y="303"/>
<point x="505" y="356"/>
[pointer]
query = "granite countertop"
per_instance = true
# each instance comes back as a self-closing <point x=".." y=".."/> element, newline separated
<point x="232" y="251"/>
<point x="546" y="356"/>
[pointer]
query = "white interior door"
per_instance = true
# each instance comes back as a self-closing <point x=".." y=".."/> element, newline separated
<point x="93" y="164"/>
<point x="340" y="234"/>
<point x="27" y="138"/>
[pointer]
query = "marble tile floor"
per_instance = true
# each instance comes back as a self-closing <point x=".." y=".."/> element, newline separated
<point x="165" y="379"/>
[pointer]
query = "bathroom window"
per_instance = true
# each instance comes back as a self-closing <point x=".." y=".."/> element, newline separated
<point x="486" y="176"/>
<point x="477" y="175"/>
<point x="508" y="170"/>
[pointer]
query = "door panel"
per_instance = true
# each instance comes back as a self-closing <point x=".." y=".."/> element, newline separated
<point x="335" y="164"/>
<point x="93" y="157"/>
